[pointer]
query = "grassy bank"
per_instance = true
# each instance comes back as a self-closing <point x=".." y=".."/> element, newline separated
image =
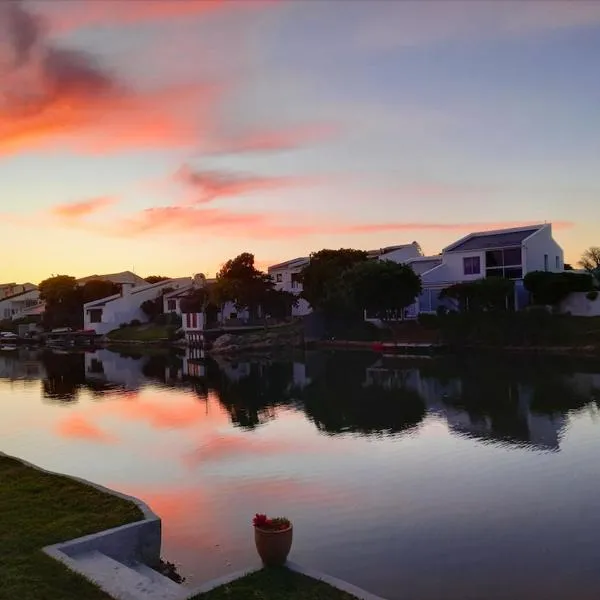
<point x="147" y="332"/>
<point x="276" y="584"/>
<point x="38" y="509"/>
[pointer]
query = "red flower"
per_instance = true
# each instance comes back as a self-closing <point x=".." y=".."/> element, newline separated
<point x="277" y="524"/>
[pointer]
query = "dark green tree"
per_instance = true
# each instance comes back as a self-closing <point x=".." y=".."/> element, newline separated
<point x="551" y="288"/>
<point x="239" y="281"/>
<point x="492" y="293"/>
<point x="64" y="303"/>
<point x="156" y="278"/>
<point x="324" y="267"/>
<point x="590" y="260"/>
<point x="383" y="288"/>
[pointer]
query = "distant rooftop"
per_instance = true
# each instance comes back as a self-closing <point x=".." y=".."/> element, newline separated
<point x="383" y="251"/>
<point x="489" y="239"/>
<point x="290" y="264"/>
<point x="123" y="277"/>
<point x="424" y="263"/>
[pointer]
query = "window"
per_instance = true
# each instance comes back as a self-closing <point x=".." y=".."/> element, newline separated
<point x="295" y="280"/>
<point x="95" y="315"/>
<point x="279" y="277"/>
<point x="171" y="305"/>
<point x="557" y="263"/>
<point x="504" y="263"/>
<point x="472" y="265"/>
<point x="545" y="262"/>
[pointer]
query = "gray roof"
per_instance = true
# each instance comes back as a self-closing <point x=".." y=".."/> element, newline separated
<point x="422" y="266"/>
<point x="290" y="264"/>
<point x="484" y="241"/>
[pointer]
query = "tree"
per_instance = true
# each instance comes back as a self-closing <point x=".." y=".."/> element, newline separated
<point x="156" y="278"/>
<point x="590" y="260"/>
<point x="383" y="288"/>
<point x="95" y="289"/>
<point x="239" y="281"/>
<point x="492" y="293"/>
<point x="324" y="267"/>
<point x="63" y="298"/>
<point x="551" y="288"/>
<point x="279" y="303"/>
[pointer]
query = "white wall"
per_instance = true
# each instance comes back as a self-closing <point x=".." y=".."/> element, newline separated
<point x="402" y="254"/>
<point x="303" y="307"/>
<point x="126" y="308"/>
<point x="10" y="307"/>
<point x="536" y="247"/>
<point x="578" y="305"/>
<point x="454" y="266"/>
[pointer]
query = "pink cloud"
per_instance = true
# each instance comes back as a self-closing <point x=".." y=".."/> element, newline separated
<point x="51" y="95"/>
<point x="433" y="226"/>
<point x="78" y="427"/>
<point x="269" y="140"/>
<point x="83" y="208"/>
<point x="67" y="16"/>
<point x="212" y="185"/>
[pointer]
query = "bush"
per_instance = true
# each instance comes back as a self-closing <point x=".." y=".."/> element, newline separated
<point x="429" y="321"/>
<point x="551" y="288"/>
<point x="135" y="323"/>
<point x="492" y="293"/>
<point x="592" y="295"/>
<point x="122" y="325"/>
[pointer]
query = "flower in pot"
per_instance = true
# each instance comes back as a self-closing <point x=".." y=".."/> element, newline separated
<point x="273" y="538"/>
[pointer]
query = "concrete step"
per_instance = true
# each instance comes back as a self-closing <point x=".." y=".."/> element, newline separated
<point x="127" y="583"/>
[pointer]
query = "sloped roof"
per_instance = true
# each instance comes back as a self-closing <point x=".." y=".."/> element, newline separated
<point x="135" y="290"/>
<point x="290" y="264"/>
<point x="388" y="249"/>
<point x="423" y="264"/>
<point x="485" y="240"/>
<point x="123" y="277"/>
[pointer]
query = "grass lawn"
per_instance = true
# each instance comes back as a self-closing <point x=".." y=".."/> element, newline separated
<point x="38" y="509"/>
<point x="275" y="584"/>
<point x="141" y="333"/>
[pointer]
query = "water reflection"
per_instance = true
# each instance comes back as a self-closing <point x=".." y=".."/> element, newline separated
<point x="459" y="469"/>
<point x="495" y="401"/>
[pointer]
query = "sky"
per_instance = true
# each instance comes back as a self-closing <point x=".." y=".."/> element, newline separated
<point x="167" y="136"/>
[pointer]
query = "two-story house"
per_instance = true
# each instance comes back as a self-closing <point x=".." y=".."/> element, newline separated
<point x="286" y="275"/>
<point x="508" y="253"/>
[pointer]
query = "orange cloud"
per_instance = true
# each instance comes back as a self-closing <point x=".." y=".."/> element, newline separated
<point x="425" y="226"/>
<point x="270" y="140"/>
<point x="211" y="185"/>
<point x="50" y="94"/>
<point x="84" y="208"/>
<point x="124" y="13"/>
<point x="78" y="427"/>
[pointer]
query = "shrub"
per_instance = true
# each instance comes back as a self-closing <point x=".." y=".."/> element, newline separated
<point x="592" y="295"/>
<point x="122" y="325"/>
<point x="551" y="288"/>
<point x="492" y="293"/>
<point x="429" y="321"/>
<point x="135" y="323"/>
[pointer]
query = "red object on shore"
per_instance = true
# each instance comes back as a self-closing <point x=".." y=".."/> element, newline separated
<point x="377" y="347"/>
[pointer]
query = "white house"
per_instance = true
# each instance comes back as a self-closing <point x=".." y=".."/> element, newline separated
<point x="107" y="314"/>
<point x="19" y="304"/>
<point x="124" y="277"/>
<point x="286" y="275"/>
<point x="509" y="253"/>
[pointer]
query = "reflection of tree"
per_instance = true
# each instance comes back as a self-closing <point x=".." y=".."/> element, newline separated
<point x="161" y="366"/>
<point x="65" y="375"/>
<point x="339" y="401"/>
<point x="251" y="399"/>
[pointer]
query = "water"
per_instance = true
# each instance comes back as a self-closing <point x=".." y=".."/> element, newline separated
<point x="431" y="479"/>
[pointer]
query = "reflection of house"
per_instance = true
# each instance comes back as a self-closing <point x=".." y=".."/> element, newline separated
<point x="20" y="365"/>
<point x="507" y="253"/>
<point x="517" y="426"/>
<point x="107" y="314"/>
<point x="111" y="368"/>
<point x="193" y="362"/>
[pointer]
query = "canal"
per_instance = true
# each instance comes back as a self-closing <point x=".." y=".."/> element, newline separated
<point x="448" y="478"/>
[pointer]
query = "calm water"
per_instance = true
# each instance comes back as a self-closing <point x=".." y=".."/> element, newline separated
<point x="423" y="479"/>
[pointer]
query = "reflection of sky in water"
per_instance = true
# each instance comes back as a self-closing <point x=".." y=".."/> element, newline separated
<point x="451" y="507"/>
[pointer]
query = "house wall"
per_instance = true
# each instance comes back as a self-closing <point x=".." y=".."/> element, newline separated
<point x="578" y="305"/>
<point x="537" y="246"/>
<point x="127" y="307"/>
<point x="11" y="307"/>
<point x="303" y="307"/>
<point x="402" y="254"/>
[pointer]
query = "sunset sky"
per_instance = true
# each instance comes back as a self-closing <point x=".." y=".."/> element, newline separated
<point x="168" y="136"/>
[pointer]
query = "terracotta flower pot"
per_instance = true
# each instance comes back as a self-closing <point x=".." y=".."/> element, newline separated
<point x="273" y="546"/>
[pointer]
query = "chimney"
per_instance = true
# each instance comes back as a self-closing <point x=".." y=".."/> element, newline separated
<point x="126" y="288"/>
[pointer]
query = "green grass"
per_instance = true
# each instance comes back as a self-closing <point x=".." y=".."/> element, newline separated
<point x="275" y="584"/>
<point x="38" y="509"/>
<point x="141" y="333"/>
